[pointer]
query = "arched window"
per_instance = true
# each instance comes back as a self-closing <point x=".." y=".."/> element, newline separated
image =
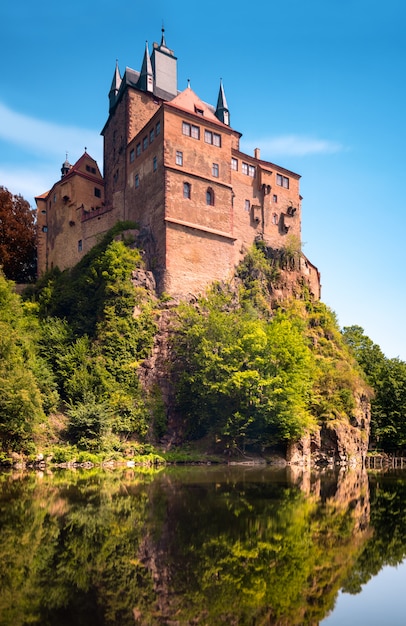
<point x="187" y="190"/>
<point x="210" y="197"/>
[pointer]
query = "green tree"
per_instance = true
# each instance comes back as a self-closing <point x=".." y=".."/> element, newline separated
<point x="21" y="401"/>
<point x="387" y="377"/>
<point x="18" y="255"/>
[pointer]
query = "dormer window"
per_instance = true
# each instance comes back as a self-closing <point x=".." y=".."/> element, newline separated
<point x="199" y="111"/>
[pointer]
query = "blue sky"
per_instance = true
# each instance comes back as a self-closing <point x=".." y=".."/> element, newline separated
<point x="318" y="86"/>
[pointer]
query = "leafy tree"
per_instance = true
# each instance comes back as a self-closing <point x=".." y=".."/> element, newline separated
<point x="17" y="238"/>
<point x="387" y="377"/>
<point x="21" y="401"/>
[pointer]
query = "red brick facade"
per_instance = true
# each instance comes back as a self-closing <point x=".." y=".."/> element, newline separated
<point x="173" y="165"/>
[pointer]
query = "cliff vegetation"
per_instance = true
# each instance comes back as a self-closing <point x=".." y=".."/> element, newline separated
<point x="238" y="367"/>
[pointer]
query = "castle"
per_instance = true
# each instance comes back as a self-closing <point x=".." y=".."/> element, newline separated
<point x="173" y="165"/>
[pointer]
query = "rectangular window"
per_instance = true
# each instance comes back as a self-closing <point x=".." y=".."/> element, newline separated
<point x="247" y="205"/>
<point x="251" y="171"/>
<point x="282" y="181"/>
<point x="217" y="140"/>
<point x="199" y="111"/>
<point x="244" y="168"/>
<point x="215" y="170"/>
<point x="97" y="192"/>
<point x="275" y="198"/>
<point x="138" y="149"/>
<point x="145" y="143"/>
<point x="187" y="190"/>
<point x="80" y="245"/>
<point x="151" y="135"/>
<point x="190" y="130"/>
<point x="132" y="156"/>
<point x="208" y="136"/>
<point x="136" y="181"/>
<point x="155" y="163"/>
<point x="179" y="157"/>
<point x="158" y="128"/>
<point x="234" y="165"/>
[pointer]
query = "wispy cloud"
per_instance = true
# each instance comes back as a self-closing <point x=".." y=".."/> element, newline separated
<point x="294" y="145"/>
<point x="45" y="138"/>
<point x="43" y="146"/>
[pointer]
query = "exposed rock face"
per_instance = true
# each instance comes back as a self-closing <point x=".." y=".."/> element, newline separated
<point x="336" y="443"/>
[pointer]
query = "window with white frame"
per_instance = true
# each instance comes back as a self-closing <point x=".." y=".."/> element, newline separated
<point x="244" y="168"/>
<point x="179" y="157"/>
<point x="247" y="205"/>
<point x="234" y="164"/>
<point x="215" y="170"/>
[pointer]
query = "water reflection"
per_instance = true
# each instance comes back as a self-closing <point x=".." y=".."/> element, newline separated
<point x="229" y="545"/>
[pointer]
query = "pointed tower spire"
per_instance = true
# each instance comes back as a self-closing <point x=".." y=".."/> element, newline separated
<point x="115" y="86"/>
<point x="146" y="80"/>
<point x="163" y="42"/>
<point x="222" y="112"/>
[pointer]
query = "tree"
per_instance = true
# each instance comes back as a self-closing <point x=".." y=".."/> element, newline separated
<point x="18" y="254"/>
<point x="387" y="377"/>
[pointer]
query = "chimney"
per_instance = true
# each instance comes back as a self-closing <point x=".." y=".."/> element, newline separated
<point x="257" y="153"/>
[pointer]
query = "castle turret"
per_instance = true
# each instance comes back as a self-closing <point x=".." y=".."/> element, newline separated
<point x="222" y="112"/>
<point x="115" y="86"/>
<point x="146" y="79"/>
<point x="164" y="65"/>
<point x="66" y="167"/>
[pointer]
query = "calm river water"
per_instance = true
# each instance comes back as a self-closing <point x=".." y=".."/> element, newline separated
<point x="202" y="545"/>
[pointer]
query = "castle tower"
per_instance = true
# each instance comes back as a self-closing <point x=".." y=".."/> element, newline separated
<point x="115" y="86"/>
<point x="164" y="66"/>
<point x="146" y="80"/>
<point x="222" y="112"/>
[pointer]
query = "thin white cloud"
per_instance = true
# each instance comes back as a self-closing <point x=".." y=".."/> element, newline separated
<point x="294" y="145"/>
<point x="46" y="138"/>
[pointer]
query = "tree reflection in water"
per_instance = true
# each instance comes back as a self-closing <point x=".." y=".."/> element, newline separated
<point x="207" y="545"/>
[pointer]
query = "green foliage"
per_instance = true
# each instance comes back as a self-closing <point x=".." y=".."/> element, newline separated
<point x="21" y="400"/>
<point x="251" y="375"/>
<point x="387" y="377"/>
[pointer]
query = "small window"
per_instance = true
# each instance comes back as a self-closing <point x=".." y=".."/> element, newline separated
<point x="199" y="111"/>
<point x="54" y="197"/>
<point x="145" y="143"/>
<point x="208" y="136"/>
<point x="136" y="181"/>
<point x="80" y="245"/>
<point x="187" y="189"/>
<point x="138" y="149"/>
<point x="282" y="181"/>
<point x="158" y="128"/>
<point x="244" y="168"/>
<point x="215" y="170"/>
<point x="97" y="192"/>
<point x="186" y="129"/>
<point x="210" y="197"/>
<point x="217" y="140"/>
<point x="45" y="229"/>
<point x="274" y="218"/>
<point x="179" y="157"/>
<point x="251" y="171"/>
<point x="234" y="164"/>
<point x="151" y="135"/>
<point x="247" y="205"/>
<point x="132" y="155"/>
<point x="275" y="198"/>
<point x="155" y="163"/>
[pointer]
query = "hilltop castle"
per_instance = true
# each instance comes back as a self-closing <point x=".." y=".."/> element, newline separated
<point x="173" y="165"/>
